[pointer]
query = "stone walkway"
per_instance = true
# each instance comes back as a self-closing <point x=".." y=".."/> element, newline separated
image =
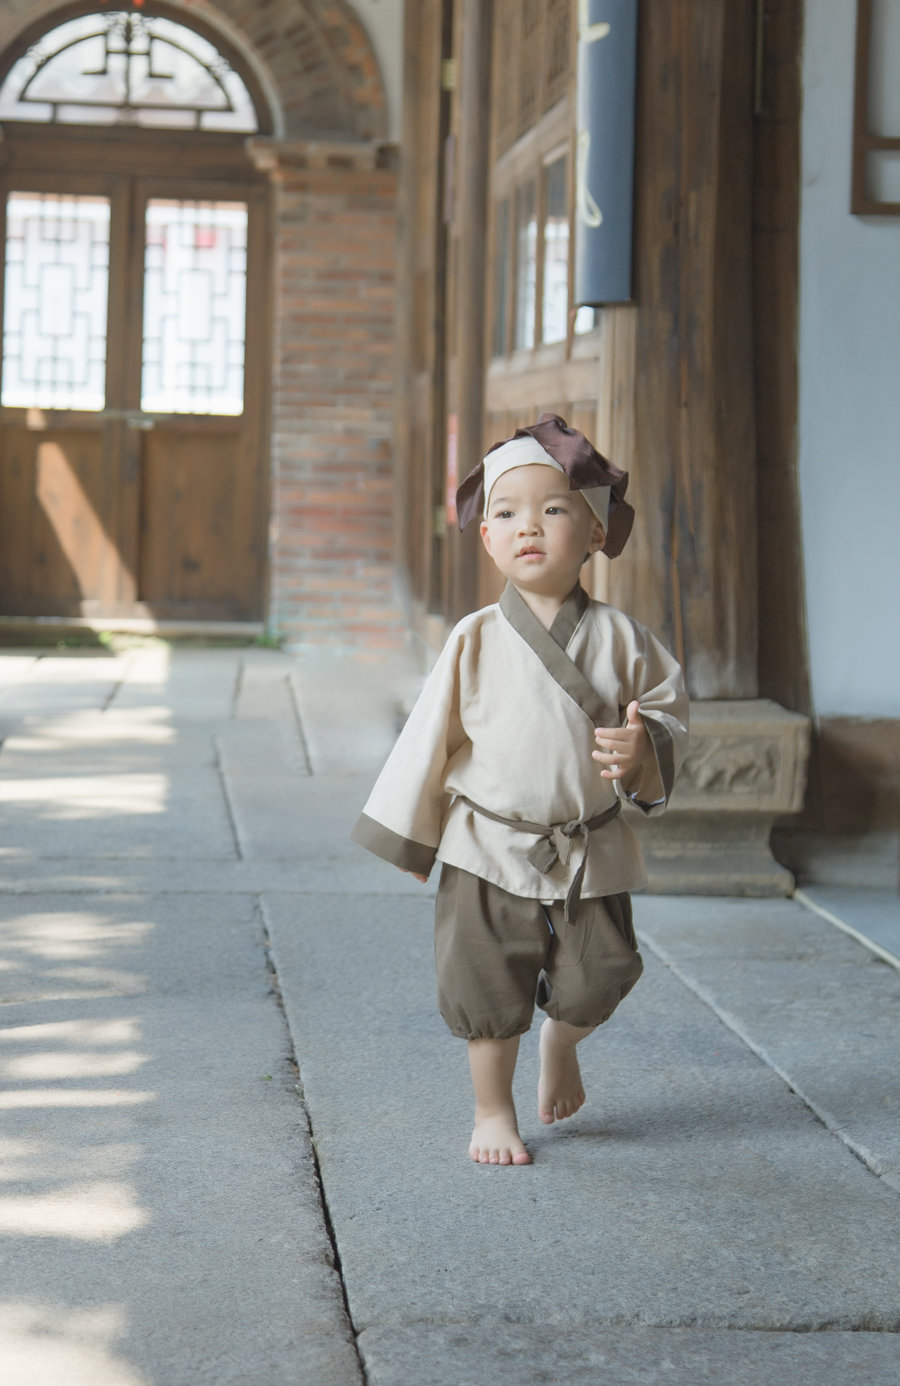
<point x="233" y="1127"/>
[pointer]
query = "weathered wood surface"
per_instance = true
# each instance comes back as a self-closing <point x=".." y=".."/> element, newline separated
<point x="783" y="663"/>
<point x="690" y="569"/>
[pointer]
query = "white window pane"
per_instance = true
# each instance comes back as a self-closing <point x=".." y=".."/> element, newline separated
<point x="526" y="266"/>
<point x="555" y="305"/>
<point x="195" y="289"/>
<point x="54" y="316"/>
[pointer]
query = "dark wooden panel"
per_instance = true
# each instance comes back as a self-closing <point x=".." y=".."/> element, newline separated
<point x="199" y="525"/>
<point x="58" y="549"/>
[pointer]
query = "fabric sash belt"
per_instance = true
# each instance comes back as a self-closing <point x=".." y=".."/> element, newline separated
<point x="555" y="843"/>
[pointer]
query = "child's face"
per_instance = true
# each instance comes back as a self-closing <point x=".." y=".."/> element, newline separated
<point x="538" y="532"/>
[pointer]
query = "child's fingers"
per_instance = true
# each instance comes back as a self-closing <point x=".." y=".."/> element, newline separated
<point x="619" y="748"/>
<point x="633" y="723"/>
<point x="622" y="738"/>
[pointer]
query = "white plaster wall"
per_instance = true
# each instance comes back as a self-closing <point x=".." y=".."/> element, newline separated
<point x="384" y="21"/>
<point x="849" y="407"/>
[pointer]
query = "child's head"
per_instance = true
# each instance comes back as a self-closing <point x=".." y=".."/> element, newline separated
<point x="536" y="528"/>
<point x="526" y="451"/>
<point x="552" y="444"/>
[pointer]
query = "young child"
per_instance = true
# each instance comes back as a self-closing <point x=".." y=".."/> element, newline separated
<point x="539" y="713"/>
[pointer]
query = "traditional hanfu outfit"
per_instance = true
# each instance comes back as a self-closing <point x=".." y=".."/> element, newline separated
<point x="493" y="776"/>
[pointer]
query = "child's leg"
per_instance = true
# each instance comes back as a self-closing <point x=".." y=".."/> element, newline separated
<point x="593" y="964"/>
<point x="495" y="1139"/>
<point x="560" y="1091"/>
<point x="489" y="950"/>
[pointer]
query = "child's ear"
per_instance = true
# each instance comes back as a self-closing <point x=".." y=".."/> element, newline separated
<point x="598" y="538"/>
<point x="485" y="536"/>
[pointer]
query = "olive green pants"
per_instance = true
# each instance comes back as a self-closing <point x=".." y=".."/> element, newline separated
<point x="497" y="955"/>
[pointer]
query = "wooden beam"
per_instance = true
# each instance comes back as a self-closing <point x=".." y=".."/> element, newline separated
<point x="783" y="662"/>
<point x="472" y="220"/>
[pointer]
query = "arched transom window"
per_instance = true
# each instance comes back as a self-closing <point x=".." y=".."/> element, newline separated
<point x="121" y="68"/>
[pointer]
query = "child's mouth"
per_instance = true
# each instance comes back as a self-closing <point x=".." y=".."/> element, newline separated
<point x="531" y="553"/>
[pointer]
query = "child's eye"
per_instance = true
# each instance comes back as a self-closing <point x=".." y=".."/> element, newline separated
<point x="503" y="515"/>
<point x="556" y="510"/>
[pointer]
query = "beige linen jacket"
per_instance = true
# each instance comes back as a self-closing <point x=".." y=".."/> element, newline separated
<point x="505" y="723"/>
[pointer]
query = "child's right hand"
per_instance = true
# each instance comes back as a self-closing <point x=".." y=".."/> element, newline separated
<point x="418" y="875"/>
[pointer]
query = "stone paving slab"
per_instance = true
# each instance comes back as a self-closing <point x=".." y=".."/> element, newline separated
<point x="90" y="737"/>
<point x="22" y="872"/>
<point x="133" y="800"/>
<point x="540" y="1355"/>
<point x="57" y="687"/>
<point x="159" y="1201"/>
<point x="271" y="799"/>
<point x="265" y="689"/>
<point x="873" y="913"/>
<point x="15" y="666"/>
<point x="696" y="1189"/>
<point x="351" y="711"/>
<point x="193" y="685"/>
<point x="819" y="1007"/>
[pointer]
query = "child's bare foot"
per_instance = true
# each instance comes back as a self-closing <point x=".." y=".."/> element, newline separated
<point x="560" y="1091"/>
<point x="496" y="1141"/>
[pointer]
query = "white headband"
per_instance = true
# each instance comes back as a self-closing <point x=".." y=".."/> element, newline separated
<point x="527" y="452"/>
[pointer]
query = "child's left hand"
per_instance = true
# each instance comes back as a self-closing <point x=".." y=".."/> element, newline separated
<point x="622" y="749"/>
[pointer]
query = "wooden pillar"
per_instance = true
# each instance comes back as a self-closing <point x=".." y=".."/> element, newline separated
<point x="685" y="382"/>
<point x="690" y="569"/>
<point x="471" y="327"/>
<point x="404" y="319"/>
<point x="783" y="659"/>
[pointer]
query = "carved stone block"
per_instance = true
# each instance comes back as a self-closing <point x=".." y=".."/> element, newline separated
<point x="744" y="756"/>
<point x="746" y="766"/>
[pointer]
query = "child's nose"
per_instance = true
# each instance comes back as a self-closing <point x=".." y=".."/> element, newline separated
<point x="528" y="521"/>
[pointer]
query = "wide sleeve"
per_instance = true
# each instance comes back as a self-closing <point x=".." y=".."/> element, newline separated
<point x="403" y="817"/>
<point x="657" y="682"/>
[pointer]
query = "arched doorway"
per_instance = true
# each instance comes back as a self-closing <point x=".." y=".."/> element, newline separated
<point x="134" y="375"/>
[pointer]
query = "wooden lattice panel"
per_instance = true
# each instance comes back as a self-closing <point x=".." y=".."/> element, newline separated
<point x="557" y="51"/>
<point x="506" y="91"/>
<point x="530" y="63"/>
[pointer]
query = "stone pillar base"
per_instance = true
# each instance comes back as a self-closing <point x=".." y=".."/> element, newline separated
<point x="746" y="767"/>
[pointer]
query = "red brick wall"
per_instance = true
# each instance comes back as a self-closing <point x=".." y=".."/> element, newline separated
<point x="331" y="557"/>
<point x="321" y="60"/>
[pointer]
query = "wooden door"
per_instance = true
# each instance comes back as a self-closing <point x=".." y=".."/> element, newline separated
<point x="202" y="399"/>
<point x="133" y="382"/>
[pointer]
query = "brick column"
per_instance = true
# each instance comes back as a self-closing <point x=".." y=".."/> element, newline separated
<point x="331" y="543"/>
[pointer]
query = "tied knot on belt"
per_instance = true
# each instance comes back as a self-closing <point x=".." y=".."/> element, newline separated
<point x="555" y="844"/>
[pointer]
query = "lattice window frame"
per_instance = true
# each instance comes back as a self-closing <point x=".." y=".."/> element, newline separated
<point x="533" y="64"/>
<point x="228" y="59"/>
<point x="532" y="120"/>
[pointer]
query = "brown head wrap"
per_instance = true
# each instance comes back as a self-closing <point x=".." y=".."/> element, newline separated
<point x="583" y="465"/>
